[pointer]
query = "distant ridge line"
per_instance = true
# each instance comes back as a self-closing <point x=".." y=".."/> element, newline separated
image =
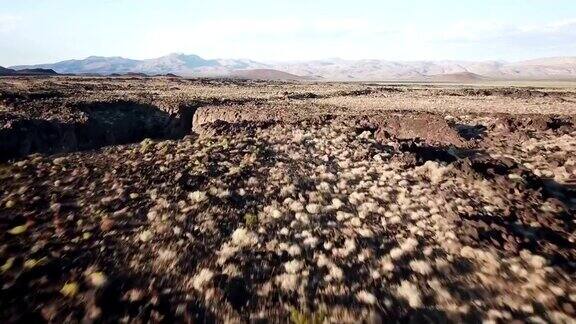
<point x="187" y="65"/>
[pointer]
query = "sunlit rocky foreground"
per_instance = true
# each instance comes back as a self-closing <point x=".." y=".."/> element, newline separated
<point x="273" y="206"/>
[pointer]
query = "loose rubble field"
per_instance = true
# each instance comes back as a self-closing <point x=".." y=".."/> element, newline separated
<point x="172" y="200"/>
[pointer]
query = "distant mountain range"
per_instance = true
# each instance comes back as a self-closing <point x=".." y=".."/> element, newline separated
<point x="266" y="74"/>
<point x="558" y="68"/>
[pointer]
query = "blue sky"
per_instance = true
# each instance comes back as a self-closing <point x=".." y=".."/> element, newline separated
<point x="40" y="31"/>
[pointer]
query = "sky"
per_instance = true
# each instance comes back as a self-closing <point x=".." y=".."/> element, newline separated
<point x="45" y="31"/>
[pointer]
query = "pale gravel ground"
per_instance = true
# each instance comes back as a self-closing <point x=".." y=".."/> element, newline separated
<point x="548" y="157"/>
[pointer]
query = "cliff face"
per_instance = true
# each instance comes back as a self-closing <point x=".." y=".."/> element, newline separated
<point x="104" y="124"/>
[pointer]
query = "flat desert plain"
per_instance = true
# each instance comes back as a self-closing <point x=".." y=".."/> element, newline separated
<point x="173" y="200"/>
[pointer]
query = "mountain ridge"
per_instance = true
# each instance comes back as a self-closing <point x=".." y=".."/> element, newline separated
<point x="26" y="72"/>
<point x="265" y="74"/>
<point x="188" y="65"/>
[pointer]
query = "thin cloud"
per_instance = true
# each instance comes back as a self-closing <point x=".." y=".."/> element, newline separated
<point x="234" y="27"/>
<point x="9" y="23"/>
<point x="485" y="32"/>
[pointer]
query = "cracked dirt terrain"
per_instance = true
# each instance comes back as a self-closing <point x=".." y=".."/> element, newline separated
<point x="172" y="200"/>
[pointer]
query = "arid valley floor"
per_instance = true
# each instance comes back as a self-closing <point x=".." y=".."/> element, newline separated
<point x="166" y="199"/>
